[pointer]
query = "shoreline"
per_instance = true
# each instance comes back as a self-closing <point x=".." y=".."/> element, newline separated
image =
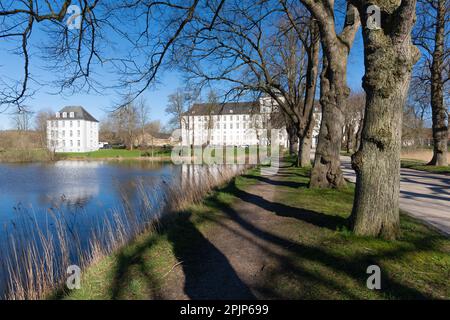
<point x="275" y="240"/>
<point x="84" y="158"/>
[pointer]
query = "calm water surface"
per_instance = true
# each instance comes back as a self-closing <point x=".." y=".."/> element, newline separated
<point x="92" y="187"/>
<point x="82" y="192"/>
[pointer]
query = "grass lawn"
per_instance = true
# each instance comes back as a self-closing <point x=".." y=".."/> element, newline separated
<point x="421" y="165"/>
<point x="117" y="153"/>
<point x="324" y="259"/>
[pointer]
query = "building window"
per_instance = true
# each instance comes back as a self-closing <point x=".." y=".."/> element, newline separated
<point x="71" y="123"/>
<point x="64" y="114"/>
<point x="57" y="115"/>
<point x="71" y="133"/>
<point x="79" y="143"/>
<point x="72" y="115"/>
<point x="71" y="143"/>
<point x="63" y="133"/>
<point x="78" y="133"/>
<point x="78" y="123"/>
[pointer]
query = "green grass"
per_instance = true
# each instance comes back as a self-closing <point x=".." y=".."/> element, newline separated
<point x="421" y="165"/>
<point x="117" y="153"/>
<point x="323" y="259"/>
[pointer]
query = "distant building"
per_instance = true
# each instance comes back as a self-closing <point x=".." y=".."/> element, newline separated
<point x="72" y="129"/>
<point x="155" y="139"/>
<point x="231" y="124"/>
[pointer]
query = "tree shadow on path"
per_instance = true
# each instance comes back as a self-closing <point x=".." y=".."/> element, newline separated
<point x="208" y="273"/>
<point x="316" y="218"/>
<point x="355" y="267"/>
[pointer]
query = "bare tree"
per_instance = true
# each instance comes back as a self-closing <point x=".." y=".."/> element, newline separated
<point x="213" y="100"/>
<point x="126" y="123"/>
<point x="21" y="120"/>
<point x="252" y="55"/>
<point x="178" y="104"/>
<point x="19" y="19"/>
<point x="161" y="25"/>
<point x="336" y="47"/>
<point x="143" y="110"/>
<point x="417" y="112"/>
<point x="430" y="35"/>
<point x="40" y="125"/>
<point x="389" y="57"/>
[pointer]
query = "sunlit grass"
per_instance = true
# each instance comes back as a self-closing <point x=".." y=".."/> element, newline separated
<point x="324" y="261"/>
<point x="421" y="165"/>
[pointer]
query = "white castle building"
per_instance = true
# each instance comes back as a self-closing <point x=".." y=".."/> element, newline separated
<point x="231" y="124"/>
<point x="72" y="129"/>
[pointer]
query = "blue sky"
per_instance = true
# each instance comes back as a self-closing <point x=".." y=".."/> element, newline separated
<point x="98" y="105"/>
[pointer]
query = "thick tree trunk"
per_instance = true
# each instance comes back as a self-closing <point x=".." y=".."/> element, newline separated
<point x="304" y="154"/>
<point x="389" y="58"/>
<point x="439" y="115"/>
<point x="326" y="172"/>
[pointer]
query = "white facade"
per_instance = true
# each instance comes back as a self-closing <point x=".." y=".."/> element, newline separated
<point x="233" y="125"/>
<point x="316" y="129"/>
<point x="72" y="130"/>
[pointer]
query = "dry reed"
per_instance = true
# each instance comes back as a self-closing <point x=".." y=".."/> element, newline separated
<point x="37" y="255"/>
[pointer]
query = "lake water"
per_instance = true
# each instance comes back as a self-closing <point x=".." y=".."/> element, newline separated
<point x="80" y="193"/>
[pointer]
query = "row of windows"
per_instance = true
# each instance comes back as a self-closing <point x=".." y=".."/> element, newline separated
<point x="65" y="114"/>
<point x="224" y="126"/>
<point x="56" y="123"/>
<point x="70" y="143"/>
<point x="240" y="136"/>
<point x="220" y="118"/>
<point x="54" y="133"/>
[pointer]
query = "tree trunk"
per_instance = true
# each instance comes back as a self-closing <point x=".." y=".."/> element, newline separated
<point x="312" y="72"/>
<point x="304" y="153"/>
<point x="439" y="115"/>
<point x="293" y="140"/>
<point x="358" y="134"/>
<point x="326" y="172"/>
<point x="349" y="145"/>
<point x="389" y="58"/>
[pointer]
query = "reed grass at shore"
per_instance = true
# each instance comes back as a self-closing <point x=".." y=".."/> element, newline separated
<point x="36" y="256"/>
